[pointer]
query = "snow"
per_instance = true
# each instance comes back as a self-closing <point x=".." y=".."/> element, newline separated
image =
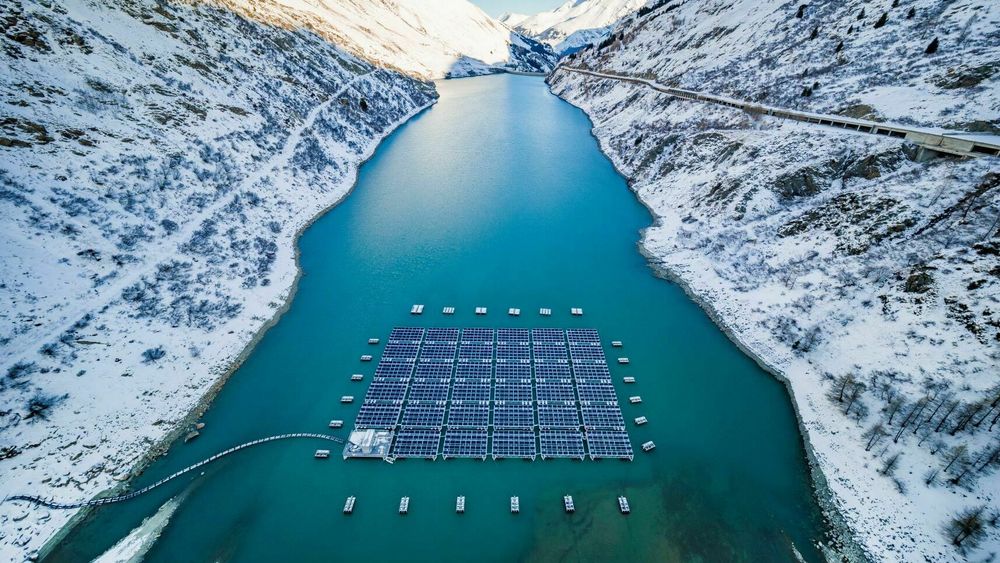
<point x="157" y="164"/>
<point x="808" y="245"/>
<point x="575" y="23"/>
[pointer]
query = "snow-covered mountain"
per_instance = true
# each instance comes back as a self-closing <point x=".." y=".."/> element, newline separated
<point x="867" y="278"/>
<point x="574" y="24"/>
<point x="427" y="39"/>
<point x="156" y="163"/>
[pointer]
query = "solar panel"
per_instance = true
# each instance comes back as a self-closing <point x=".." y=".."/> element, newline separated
<point x="406" y="334"/>
<point x="552" y="370"/>
<point x="394" y="369"/>
<point x="464" y="443"/>
<point x="609" y="444"/>
<point x="602" y="414"/>
<point x="513" y="370"/>
<point x="470" y="392"/>
<point x="477" y="335"/>
<point x="587" y="353"/>
<point x="513" y="444"/>
<point x="513" y="352"/>
<point x="558" y="414"/>
<point x="561" y="443"/>
<point x="506" y="390"/>
<point x="588" y="335"/>
<point x="386" y="389"/>
<point x="513" y="414"/>
<point x="476" y="351"/>
<point x="437" y="351"/>
<point x="421" y="414"/>
<point x="441" y="335"/>
<point x="469" y="414"/>
<point x="435" y="370"/>
<point x="427" y="393"/>
<point x="547" y="335"/>
<point x="549" y="352"/>
<point x="595" y="393"/>
<point x="513" y="335"/>
<point x="474" y="369"/>
<point x="414" y="442"/>
<point x="379" y="414"/>
<point x="555" y="393"/>
<point x="397" y="351"/>
<point x="591" y="371"/>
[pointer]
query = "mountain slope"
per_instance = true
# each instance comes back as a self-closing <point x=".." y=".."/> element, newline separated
<point x="425" y="39"/>
<point x="156" y="163"/>
<point x="576" y="23"/>
<point x="867" y="278"/>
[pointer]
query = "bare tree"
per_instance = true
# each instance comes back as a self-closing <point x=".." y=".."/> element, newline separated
<point x="955" y="454"/>
<point x="890" y="463"/>
<point x="952" y="405"/>
<point x="913" y="415"/>
<point x="895" y="404"/>
<point x="873" y="434"/>
<point x="968" y="413"/>
<point x="856" y="391"/>
<point x="967" y="527"/>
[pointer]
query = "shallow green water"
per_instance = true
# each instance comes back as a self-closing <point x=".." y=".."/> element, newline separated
<point x="498" y="196"/>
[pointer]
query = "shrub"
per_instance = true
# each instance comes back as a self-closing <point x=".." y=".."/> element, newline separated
<point x="932" y="47"/>
<point x="153" y="354"/>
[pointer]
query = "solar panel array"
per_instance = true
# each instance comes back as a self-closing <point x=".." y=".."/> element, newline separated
<point x="509" y="393"/>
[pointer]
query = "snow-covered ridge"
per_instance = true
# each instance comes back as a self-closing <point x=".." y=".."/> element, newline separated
<point x="866" y="279"/>
<point x="156" y="164"/>
<point x="574" y="24"/>
<point x="423" y="38"/>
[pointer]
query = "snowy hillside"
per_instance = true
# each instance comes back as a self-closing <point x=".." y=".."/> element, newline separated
<point x="867" y="279"/>
<point x="428" y="39"/>
<point x="156" y="163"/>
<point x="574" y="24"/>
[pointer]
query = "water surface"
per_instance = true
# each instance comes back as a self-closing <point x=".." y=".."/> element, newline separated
<point x="498" y="197"/>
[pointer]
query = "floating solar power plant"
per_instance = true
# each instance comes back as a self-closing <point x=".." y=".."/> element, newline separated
<point x="470" y="390"/>
<point x="561" y="443"/>
<point x="548" y="335"/>
<point x="424" y="414"/>
<point x="477" y="335"/>
<point x="400" y="352"/>
<point x="609" y="444"/>
<point x="513" y="352"/>
<point x="416" y="442"/>
<point x="548" y="352"/>
<point x="387" y="389"/>
<point x="460" y="442"/>
<point x="441" y="335"/>
<point x="592" y="371"/>
<point x="427" y="393"/>
<point x="394" y="369"/>
<point x="552" y="371"/>
<point x="469" y="414"/>
<point x="558" y="414"/>
<point x="513" y="414"/>
<point x="595" y="393"/>
<point x="513" y="370"/>
<point x="602" y="415"/>
<point x="438" y="352"/>
<point x="586" y="352"/>
<point x="406" y="334"/>
<point x="480" y="370"/>
<point x="434" y="369"/>
<point x="475" y="352"/>
<point x="554" y="392"/>
<point x="513" y="335"/>
<point x="378" y="414"/>
<point x="583" y="335"/>
<point x="512" y="390"/>
<point x="513" y="444"/>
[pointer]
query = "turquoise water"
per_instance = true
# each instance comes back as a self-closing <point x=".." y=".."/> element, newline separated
<point x="499" y="197"/>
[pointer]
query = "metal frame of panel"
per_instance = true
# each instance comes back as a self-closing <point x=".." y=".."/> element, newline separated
<point x="424" y="414"/>
<point x="561" y="443"/>
<point x="513" y="443"/>
<point x="469" y="414"/>
<point x="558" y="414"/>
<point x="513" y="414"/>
<point x="609" y="444"/>
<point x="465" y="442"/>
<point x="416" y="442"/>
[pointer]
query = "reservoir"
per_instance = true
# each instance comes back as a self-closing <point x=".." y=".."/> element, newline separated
<point x="498" y="197"/>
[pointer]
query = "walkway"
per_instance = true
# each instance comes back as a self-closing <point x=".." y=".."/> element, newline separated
<point x="938" y="140"/>
<point x="147" y="488"/>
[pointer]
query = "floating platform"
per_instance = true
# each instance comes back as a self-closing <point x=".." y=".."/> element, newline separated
<point x="349" y="505"/>
<point x="515" y="505"/>
<point x="576" y="311"/>
<point x="347" y="399"/>
<point x="416" y="310"/>
<point x="545" y="312"/>
<point x="640" y="420"/>
<point x="623" y="505"/>
<point x="404" y="505"/>
<point x="635" y="399"/>
<point x="568" y="504"/>
<point x="357" y="377"/>
<point x="321" y="454"/>
<point x="480" y="310"/>
<point x="628" y="379"/>
<point x="366" y="358"/>
<point x="336" y="424"/>
<point x="369" y="442"/>
<point x="460" y="505"/>
<point x="373" y="340"/>
<point x="616" y="343"/>
<point x="514" y="312"/>
<point x="448" y="310"/>
<point x="648" y="446"/>
<point x="623" y="360"/>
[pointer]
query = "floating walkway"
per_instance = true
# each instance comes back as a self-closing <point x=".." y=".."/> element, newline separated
<point x="937" y="140"/>
<point x="119" y="498"/>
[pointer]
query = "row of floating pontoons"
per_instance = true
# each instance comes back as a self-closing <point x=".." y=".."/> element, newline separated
<point x="513" y="311"/>
<point x="515" y="505"/>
